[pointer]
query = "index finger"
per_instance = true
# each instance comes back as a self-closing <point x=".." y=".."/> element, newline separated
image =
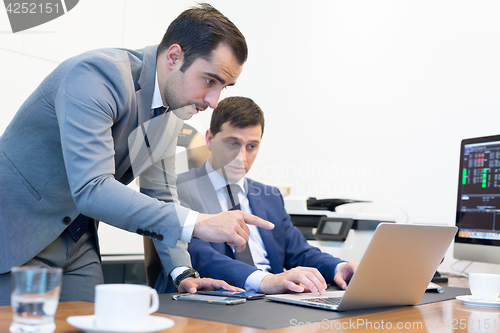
<point x="213" y="284"/>
<point x="317" y="273"/>
<point x="316" y="278"/>
<point x="219" y="284"/>
<point x="309" y="280"/>
<point x="257" y="221"/>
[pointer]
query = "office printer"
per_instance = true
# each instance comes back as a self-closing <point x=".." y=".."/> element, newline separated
<point x="341" y="234"/>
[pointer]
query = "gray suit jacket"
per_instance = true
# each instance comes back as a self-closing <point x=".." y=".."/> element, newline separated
<point x="69" y="150"/>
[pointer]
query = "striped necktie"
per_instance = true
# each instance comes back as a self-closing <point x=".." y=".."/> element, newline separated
<point x="78" y="227"/>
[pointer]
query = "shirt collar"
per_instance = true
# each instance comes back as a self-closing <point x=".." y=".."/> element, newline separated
<point x="219" y="182"/>
<point x="157" y="101"/>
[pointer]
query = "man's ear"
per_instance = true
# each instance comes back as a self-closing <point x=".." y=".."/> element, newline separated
<point x="174" y="56"/>
<point x="208" y="138"/>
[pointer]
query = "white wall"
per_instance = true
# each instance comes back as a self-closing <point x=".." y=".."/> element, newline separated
<point x="363" y="99"/>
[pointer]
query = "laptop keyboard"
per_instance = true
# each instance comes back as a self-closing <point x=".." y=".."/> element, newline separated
<point x="324" y="300"/>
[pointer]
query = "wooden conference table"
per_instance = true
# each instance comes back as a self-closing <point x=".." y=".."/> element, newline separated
<point x="447" y="316"/>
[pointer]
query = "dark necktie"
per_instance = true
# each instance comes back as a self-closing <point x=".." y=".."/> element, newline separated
<point x="233" y="203"/>
<point x="159" y="111"/>
<point x="78" y="227"/>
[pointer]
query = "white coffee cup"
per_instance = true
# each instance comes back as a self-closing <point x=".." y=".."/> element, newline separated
<point x="124" y="306"/>
<point x="484" y="286"/>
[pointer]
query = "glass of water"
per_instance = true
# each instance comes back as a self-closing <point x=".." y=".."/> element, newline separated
<point x="34" y="298"/>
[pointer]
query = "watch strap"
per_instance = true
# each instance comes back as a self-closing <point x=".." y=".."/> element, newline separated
<point x="190" y="272"/>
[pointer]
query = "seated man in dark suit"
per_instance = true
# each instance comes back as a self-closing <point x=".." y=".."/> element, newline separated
<point x="234" y="138"/>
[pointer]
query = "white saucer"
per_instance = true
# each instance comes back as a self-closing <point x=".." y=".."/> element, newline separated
<point x="469" y="300"/>
<point x="86" y="323"/>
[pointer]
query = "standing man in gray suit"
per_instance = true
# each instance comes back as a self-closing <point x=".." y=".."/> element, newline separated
<point x="98" y="121"/>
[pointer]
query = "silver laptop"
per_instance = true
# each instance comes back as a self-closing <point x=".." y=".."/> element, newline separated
<point x="396" y="269"/>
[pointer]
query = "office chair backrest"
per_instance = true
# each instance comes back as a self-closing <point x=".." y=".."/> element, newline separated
<point x="152" y="262"/>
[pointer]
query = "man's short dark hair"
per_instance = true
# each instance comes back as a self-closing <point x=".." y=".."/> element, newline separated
<point x="199" y="31"/>
<point x="240" y="112"/>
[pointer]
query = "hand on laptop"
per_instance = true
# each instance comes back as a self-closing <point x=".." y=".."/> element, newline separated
<point x="298" y="279"/>
<point x="344" y="274"/>
<point x="229" y="227"/>
<point x="192" y="285"/>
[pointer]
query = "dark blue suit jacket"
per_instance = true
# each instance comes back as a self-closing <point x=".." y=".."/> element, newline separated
<point x="286" y="246"/>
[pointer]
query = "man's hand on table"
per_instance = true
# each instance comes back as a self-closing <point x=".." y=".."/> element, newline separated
<point x="298" y="279"/>
<point x="192" y="285"/>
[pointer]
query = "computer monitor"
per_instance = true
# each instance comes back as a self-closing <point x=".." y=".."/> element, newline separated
<point x="478" y="203"/>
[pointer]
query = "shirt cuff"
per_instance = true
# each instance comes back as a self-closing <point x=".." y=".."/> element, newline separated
<point x="253" y="280"/>
<point x="188" y="228"/>
<point x="178" y="271"/>
<point x="338" y="266"/>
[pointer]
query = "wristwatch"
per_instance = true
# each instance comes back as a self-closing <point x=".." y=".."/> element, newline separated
<point x="190" y="272"/>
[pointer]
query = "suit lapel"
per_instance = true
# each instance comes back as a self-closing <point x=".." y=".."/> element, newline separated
<point x="138" y="153"/>
<point x="149" y="141"/>
<point x="146" y="84"/>
<point x="266" y="235"/>
<point x="207" y="192"/>
<point x="144" y="98"/>
<point x="139" y="150"/>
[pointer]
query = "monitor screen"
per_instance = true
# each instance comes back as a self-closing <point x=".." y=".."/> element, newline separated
<point x="478" y="201"/>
